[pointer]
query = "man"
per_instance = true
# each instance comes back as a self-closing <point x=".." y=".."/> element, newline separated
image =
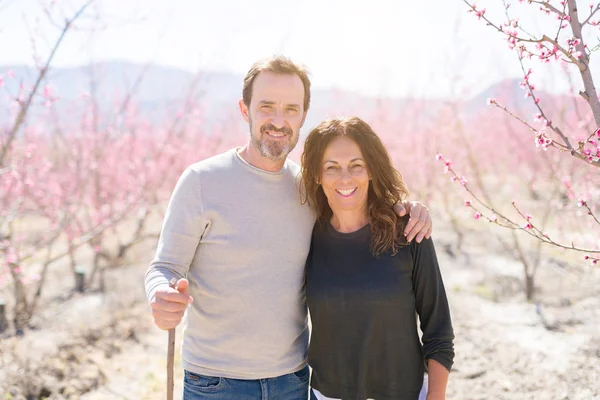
<point x="236" y="238"/>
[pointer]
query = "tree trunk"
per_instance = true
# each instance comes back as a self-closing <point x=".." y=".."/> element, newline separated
<point x="529" y="288"/>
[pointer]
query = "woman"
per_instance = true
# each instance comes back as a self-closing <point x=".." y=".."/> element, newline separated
<point x="364" y="283"/>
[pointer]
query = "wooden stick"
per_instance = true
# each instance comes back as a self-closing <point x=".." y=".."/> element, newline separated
<point x="171" y="353"/>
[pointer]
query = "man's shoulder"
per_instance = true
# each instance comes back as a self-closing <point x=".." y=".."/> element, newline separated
<point x="218" y="163"/>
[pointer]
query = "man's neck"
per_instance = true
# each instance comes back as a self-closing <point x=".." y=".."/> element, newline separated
<point x="254" y="158"/>
<point x="347" y="221"/>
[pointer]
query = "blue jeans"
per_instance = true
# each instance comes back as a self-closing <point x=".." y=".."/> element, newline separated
<point x="292" y="386"/>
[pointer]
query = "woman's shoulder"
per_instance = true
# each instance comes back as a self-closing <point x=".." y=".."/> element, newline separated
<point x="401" y="223"/>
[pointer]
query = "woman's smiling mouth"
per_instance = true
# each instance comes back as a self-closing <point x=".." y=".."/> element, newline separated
<point x="346" y="192"/>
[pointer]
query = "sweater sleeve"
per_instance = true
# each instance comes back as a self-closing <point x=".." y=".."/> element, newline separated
<point x="432" y="304"/>
<point x="183" y="227"/>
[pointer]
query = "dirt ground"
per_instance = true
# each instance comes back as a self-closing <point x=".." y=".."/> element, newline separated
<point x="96" y="346"/>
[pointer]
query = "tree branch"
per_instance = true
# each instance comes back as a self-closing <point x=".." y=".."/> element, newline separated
<point x="27" y="103"/>
<point x="587" y="20"/>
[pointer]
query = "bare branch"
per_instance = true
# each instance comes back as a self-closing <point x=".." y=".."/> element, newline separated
<point x="590" y="212"/>
<point x="27" y="104"/>
<point x="507" y="222"/>
<point x="587" y="20"/>
<point x="550" y="7"/>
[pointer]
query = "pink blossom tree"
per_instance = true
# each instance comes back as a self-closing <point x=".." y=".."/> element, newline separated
<point x="88" y="183"/>
<point x="565" y="137"/>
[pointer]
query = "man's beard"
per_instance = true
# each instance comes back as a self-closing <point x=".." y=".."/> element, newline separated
<point x="274" y="150"/>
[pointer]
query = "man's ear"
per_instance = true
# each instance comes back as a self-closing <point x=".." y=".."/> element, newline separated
<point x="244" y="110"/>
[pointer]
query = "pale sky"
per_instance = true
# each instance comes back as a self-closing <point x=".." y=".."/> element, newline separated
<point x="379" y="47"/>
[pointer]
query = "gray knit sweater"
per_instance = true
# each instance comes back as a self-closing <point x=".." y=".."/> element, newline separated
<point x="241" y="237"/>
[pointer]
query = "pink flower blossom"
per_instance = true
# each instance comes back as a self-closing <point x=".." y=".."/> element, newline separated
<point x="543" y="141"/>
<point x="581" y="202"/>
<point x="467" y="203"/>
<point x="447" y="165"/>
<point x="528" y="217"/>
<point x="491" y="101"/>
<point x="438" y="157"/>
<point x="527" y="226"/>
<point x="463" y="180"/>
<point x="477" y="215"/>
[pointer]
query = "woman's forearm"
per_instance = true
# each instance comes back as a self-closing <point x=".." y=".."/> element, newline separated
<point x="438" y="380"/>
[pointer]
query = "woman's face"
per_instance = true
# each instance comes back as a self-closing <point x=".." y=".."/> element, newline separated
<point x="345" y="176"/>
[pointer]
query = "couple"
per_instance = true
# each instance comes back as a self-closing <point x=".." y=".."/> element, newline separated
<point x="240" y="236"/>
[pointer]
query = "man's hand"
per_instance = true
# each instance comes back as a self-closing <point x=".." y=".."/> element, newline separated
<point x="169" y="304"/>
<point x="419" y="225"/>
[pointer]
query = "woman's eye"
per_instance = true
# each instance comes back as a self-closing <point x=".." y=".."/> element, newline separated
<point x="356" y="166"/>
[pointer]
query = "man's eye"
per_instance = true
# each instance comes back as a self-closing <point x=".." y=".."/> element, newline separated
<point x="291" y="110"/>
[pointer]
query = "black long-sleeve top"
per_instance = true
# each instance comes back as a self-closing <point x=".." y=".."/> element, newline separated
<point x="364" y="341"/>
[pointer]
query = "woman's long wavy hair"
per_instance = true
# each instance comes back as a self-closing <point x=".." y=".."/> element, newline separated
<point x="386" y="187"/>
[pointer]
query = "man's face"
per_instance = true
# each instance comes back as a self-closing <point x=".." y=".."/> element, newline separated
<point x="276" y="114"/>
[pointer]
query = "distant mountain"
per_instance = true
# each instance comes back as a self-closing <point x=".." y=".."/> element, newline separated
<point x="159" y="91"/>
<point x="510" y="94"/>
<point x="507" y="92"/>
<point x="156" y="90"/>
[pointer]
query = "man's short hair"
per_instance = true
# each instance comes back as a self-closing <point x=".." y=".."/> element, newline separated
<point x="278" y="65"/>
